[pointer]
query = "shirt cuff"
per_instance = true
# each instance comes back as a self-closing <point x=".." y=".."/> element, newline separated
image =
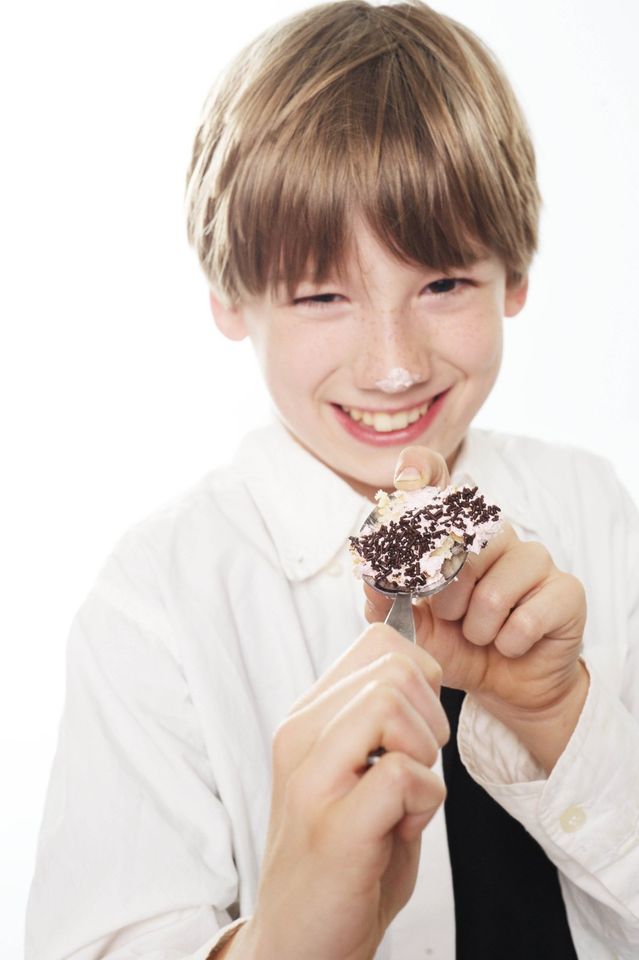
<point x="586" y="811"/>
<point x="225" y="934"/>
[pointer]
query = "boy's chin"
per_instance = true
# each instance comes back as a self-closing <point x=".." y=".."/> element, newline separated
<point x="372" y="471"/>
<point x="368" y="482"/>
<point x="365" y="488"/>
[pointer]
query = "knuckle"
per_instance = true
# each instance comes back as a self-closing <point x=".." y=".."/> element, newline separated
<point x="492" y="600"/>
<point x="297" y="793"/>
<point x="431" y="749"/>
<point x="508" y="534"/>
<point x="397" y="770"/>
<point x="526" y="623"/>
<point x="388" y="699"/>
<point x="439" y="791"/>
<point x="283" y="742"/>
<point x="576" y="597"/>
<point x="575" y="585"/>
<point x="407" y="674"/>
<point x="401" y="669"/>
<point x="386" y="707"/>
<point x="435" y="674"/>
<point x="377" y="639"/>
<point x="540" y="554"/>
<point x="443" y="729"/>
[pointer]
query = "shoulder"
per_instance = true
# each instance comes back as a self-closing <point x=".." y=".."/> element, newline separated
<point x="531" y="451"/>
<point x="554" y="489"/>
<point x="217" y="511"/>
<point x="569" y="497"/>
<point x="547" y="468"/>
<point x="185" y="544"/>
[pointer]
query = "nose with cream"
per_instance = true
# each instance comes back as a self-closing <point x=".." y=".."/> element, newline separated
<point x="397" y="380"/>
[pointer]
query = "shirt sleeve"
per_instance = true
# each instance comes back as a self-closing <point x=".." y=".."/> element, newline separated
<point x="134" y="856"/>
<point x="585" y="814"/>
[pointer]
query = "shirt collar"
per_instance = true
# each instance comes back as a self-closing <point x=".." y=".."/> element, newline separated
<point x="308" y="510"/>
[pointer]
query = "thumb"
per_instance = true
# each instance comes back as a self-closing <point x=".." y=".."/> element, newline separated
<point x="420" y="467"/>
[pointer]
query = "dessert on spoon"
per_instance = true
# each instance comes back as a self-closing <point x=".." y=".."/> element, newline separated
<point x="414" y="543"/>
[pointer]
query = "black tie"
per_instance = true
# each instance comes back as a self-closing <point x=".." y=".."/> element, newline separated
<point x="508" y="903"/>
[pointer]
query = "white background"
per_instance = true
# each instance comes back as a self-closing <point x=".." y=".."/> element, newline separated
<point x="117" y="392"/>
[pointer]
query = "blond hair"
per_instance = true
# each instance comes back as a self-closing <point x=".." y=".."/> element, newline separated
<point x="395" y="113"/>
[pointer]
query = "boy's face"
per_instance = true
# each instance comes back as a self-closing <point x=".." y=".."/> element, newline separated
<point x="388" y="355"/>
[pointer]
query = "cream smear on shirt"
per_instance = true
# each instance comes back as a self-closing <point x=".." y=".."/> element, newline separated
<point x="214" y="614"/>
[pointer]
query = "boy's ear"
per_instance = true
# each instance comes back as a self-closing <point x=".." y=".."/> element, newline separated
<point x="515" y="297"/>
<point x="228" y="320"/>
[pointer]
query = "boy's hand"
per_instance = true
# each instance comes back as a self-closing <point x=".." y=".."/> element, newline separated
<point x="343" y="843"/>
<point x="509" y="631"/>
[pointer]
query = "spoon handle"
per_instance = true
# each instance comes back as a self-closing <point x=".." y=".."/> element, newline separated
<point x="400" y="616"/>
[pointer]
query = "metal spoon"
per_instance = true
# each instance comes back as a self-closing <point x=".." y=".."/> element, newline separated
<point x="400" y="616"/>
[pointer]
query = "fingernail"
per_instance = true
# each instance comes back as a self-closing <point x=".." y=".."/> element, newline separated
<point x="408" y="475"/>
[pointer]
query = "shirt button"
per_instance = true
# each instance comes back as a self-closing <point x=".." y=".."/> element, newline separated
<point x="334" y="569"/>
<point x="572" y="819"/>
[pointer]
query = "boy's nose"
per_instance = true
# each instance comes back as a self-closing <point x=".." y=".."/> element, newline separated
<point x="391" y="358"/>
<point x="398" y="379"/>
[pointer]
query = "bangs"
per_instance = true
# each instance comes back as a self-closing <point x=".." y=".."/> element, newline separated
<point x="359" y="155"/>
<point x="419" y="143"/>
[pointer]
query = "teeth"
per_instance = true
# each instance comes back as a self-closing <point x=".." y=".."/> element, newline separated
<point x="383" y="422"/>
<point x="386" y="422"/>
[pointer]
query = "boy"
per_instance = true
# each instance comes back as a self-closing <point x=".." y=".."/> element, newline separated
<point x="362" y="198"/>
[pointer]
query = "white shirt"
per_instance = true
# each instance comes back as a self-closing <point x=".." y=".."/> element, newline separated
<point x="214" y="614"/>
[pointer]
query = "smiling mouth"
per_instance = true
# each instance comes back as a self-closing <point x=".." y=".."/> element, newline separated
<point x="381" y="422"/>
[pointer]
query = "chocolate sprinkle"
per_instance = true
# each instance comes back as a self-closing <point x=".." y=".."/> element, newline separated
<point x="399" y="545"/>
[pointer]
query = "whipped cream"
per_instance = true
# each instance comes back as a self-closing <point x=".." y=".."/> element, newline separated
<point x="397" y="380"/>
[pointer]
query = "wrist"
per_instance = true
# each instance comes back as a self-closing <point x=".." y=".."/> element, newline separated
<point x="251" y="942"/>
<point x="234" y="943"/>
<point x="545" y="731"/>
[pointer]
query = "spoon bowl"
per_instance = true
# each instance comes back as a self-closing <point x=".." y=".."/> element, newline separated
<point x="400" y="615"/>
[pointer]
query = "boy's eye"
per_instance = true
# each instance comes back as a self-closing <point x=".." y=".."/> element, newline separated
<point x="445" y="285"/>
<point x="319" y="300"/>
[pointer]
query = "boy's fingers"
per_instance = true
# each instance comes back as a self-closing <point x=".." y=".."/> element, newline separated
<point x="420" y="467"/>
<point x="377" y="641"/>
<point x="558" y="610"/>
<point x="474" y="581"/>
<point x="515" y="574"/>
<point x="390" y="677"/>
<point x="394" y="790"/>
<point x="378" y="715"/>
<point x="452" y="602"/>
<point x="377" y="605"/>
